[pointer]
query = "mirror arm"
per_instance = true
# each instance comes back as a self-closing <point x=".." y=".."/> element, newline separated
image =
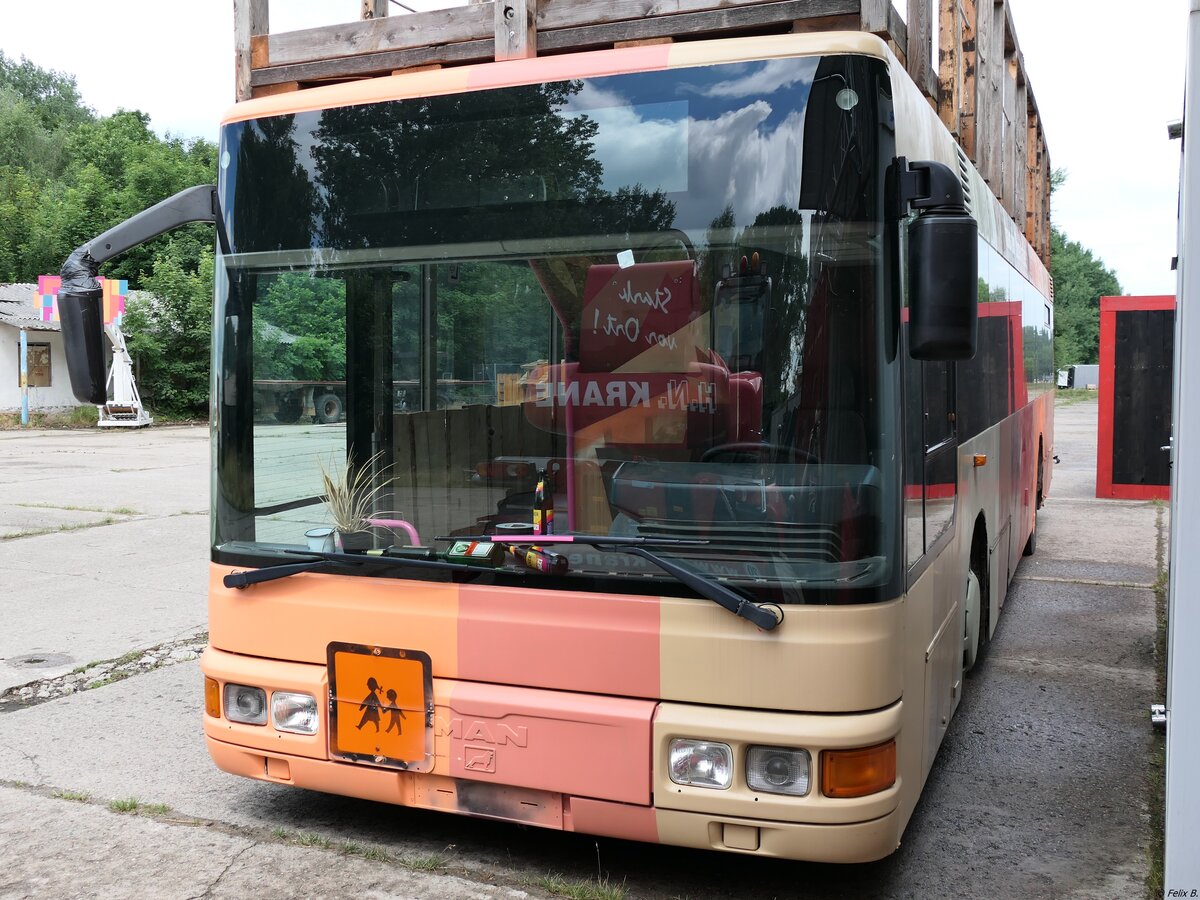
<point x="79" y="297"/>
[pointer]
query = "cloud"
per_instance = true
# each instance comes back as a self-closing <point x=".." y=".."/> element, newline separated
<point x="735" y="161"/>
<point x="766" y="79"/>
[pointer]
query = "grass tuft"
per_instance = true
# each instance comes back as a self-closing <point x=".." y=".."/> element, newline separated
<point x="313" y="840"/>
<point x="79" y="796"/>
<point x="425" y="863"/>
<point x="130" y="804"/>
<point x="580" y="890"/>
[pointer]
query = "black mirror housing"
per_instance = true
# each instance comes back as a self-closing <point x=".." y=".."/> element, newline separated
<point x="82" y="319"/>
<point x="943" y="274"/>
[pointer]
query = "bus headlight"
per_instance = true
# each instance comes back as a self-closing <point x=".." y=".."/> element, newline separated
<point x="778" y="770"/>
<point x="296" y="713"/>
<point x="701" y="764"/>
<point x="245" y="704"/>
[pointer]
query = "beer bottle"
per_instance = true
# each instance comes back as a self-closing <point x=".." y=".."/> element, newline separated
<point x="543" y="504"/>
<point x="540" y="560"/>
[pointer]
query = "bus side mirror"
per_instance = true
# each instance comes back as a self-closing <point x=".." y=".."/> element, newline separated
<point x="82" y="318"/>
<point x="80" y="300"/>
<point x="942" y="259"/>
<point x="943" y="299"/>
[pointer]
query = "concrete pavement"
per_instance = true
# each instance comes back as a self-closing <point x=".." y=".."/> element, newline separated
<point x="103" y="545"/>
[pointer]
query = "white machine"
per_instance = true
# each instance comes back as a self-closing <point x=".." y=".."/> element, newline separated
<point x="123" y="409"/>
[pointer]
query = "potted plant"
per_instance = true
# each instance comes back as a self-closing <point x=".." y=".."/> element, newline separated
<point x="350" y="498"/>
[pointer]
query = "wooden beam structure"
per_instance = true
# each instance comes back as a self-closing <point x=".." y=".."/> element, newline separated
<point x="978" y="84"/>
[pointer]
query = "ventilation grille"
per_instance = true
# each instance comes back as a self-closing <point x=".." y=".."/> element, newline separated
<point x="964" y="169"/>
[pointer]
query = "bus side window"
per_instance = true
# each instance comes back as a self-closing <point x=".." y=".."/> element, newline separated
<point x="930" y="443"/>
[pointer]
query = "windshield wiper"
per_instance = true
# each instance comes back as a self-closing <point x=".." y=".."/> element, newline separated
<point x="765" y="617"/>
<point x="317" y="559"/>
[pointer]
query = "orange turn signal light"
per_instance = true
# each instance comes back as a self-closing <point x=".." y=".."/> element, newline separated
<point x="856" y="773"/>
<point x="212" y="697"/>
<point x="980" y="460"/>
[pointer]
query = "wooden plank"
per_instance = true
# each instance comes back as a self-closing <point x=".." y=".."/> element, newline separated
<point x="375" y="63"/>
<point x="374" y="9"/>
<point x="1008" y="116"/>
<point x="516" y="29"/>
<point x="268" y="90"/>
<point x="825" y="23"/>
<point x="989" y="60"/>
<point x="250" y="18"/>
<point x="1032" y="172"/>
<point x="477" y="22"/>
<point x="419" y="30"/>
<point x="874" y="16"/>
<point x="950" y="57"/>
<point x="920" y="38"/>
<point x="733" y="18"/>
<point x="554" y="14"/>
<point x="968" y="98"/>
<point x="1020" y="131"/>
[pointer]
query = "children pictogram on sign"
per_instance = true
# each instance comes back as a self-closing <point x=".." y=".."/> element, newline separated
<point x="371" y="705"/>
<point x="395" y="713"/>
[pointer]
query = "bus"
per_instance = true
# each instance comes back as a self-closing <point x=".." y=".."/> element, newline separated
<point x="739" y="318"/>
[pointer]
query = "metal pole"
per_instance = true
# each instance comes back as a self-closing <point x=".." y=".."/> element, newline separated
<point x="1182" y="864"/>
<point x="24" y="379"/>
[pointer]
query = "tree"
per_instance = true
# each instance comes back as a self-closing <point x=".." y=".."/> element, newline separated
<point x="170" y="334"/>
<point x="1080" y="280"/>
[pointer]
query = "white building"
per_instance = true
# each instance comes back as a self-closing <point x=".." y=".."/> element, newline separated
<point x="49" y="383"/>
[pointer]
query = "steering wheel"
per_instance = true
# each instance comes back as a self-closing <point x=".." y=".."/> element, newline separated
<point x="763" y="450"/>
<point x="670" y="239"/>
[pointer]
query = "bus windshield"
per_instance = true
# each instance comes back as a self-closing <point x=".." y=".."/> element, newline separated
<point x="661" y="294"/>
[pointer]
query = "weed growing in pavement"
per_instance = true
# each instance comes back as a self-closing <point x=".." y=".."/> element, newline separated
<point x="120" y="510"/>
<point x="127" y="805"/>
<point x="426" y="863"/>
<point x="80" y="796"/>
<point x="154" y="809"/>
<point x="77" y="526"/>
<point x="110" y="678"/>
<point x="282" y="833"/>
<point x="353" y="848"/>
<point x="314" y="840"/>
<point x="580" y="890"/>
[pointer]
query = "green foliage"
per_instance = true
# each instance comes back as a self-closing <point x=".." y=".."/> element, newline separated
<point x="169" y="335"/>
<point x="66" y="176"/>
<point x="1080" y="280"/>
<point x="52" y="95"/>
<point x="300" y="328"/>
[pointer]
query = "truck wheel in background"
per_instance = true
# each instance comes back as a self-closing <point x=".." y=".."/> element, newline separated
<point x="287" y="410"/>
<point x="328" y="408"/>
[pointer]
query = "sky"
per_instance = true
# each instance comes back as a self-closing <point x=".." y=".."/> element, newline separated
<point x="1107" y="84"/>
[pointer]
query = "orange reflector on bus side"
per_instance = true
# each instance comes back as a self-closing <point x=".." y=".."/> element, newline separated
<point x="856" y="773"/>
<point x="980" y="460"/>
<point x="212" y="697"/>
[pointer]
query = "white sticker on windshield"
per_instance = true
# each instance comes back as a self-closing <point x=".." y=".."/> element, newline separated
<point x="625" y="259"/>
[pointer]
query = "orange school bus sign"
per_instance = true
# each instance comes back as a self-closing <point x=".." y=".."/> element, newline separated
<point x="381" y="706"/>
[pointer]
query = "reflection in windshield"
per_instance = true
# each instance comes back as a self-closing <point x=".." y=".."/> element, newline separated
<point x="659" y="290"/>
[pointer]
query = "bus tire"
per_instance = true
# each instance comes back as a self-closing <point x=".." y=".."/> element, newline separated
<point x="328" y="409"/>
<point x="972" y="609"/>
<point x="978" y="573"/>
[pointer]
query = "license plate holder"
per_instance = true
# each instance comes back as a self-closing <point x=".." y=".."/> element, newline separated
<point x="380" y="706"/>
